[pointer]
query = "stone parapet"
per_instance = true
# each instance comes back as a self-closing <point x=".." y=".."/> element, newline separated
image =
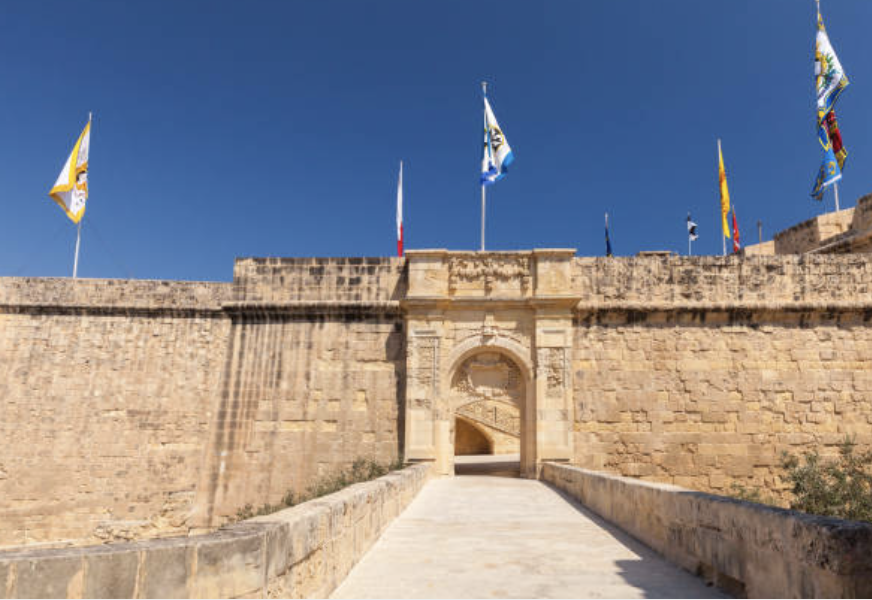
<point x="749" y="549"/>
<point x="109" y="296"/>
<point x="300" y="552"/>
<point x="282" y="280"/>
<point x="679" y="282"/>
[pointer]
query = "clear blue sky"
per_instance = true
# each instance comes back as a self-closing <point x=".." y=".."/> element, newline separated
<point x="269" y="128"/>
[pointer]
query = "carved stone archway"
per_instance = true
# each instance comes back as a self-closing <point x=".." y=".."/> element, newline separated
<point x="489" y="388"/>
<point x="486" y="330"/>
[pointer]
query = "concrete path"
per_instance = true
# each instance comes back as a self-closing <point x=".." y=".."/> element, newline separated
<point x="495" y="537"/>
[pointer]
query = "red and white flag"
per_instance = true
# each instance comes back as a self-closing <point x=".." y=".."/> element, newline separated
<point x="400" y="212"/>
<point x="736" y="244"/>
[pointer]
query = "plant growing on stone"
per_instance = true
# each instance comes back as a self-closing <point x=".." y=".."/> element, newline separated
<point x="361" y="470"/>
<point x="839" y="488"/>
<point x="740" y="492"/>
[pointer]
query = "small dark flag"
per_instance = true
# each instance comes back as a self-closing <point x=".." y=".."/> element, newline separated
<point x="608" y="242"/>
<point x="691" y="229"/>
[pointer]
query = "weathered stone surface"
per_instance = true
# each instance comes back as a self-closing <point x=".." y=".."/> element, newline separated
<point x="165" y="568"/>
<point x="255" y="558"/>
<point x="748" y="549"/>
<point x="51" y="575"/>
<point x="111" y="573"/>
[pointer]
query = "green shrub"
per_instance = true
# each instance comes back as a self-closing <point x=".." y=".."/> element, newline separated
<point x="839" y="488"/>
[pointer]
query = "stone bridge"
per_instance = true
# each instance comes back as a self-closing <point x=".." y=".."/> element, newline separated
<point x="574" y="533"/>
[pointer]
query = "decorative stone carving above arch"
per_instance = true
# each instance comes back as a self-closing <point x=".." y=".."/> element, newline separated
<point x="488" y="338"/>
<point x="487" y="376"/>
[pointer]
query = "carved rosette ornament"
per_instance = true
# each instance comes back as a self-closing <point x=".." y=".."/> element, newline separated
<point x="489" y="269"/>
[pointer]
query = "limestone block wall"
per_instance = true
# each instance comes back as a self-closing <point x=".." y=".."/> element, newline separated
<point x="140" y="408"/>
<point x="105" y="396"/>
<point x="315" y="367"/>
<point x="330" y="280"/>
<point x="750" y="550"/>
<point x="707" y="380"/>
<point x="302" y="396"/>
<point x="301" y="552"/>
<point x="775" y="283"/>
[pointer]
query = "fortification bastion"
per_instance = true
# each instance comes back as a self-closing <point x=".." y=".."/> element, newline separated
<point x="138" y="408"/>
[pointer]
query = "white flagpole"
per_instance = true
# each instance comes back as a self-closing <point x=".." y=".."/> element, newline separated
<point x="723" y="237"/>
<point x="483" y="201"/>
<point x="483" y="192"/>
<point x="79" y="228"/>
<point x="836" y="194"/>
<point x="78" y="241"/>
<point x="689" y="239"/>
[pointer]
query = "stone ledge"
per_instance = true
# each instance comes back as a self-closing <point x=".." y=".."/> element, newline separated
<point x="112" y="295"/>
<point x="319" y="307"/>
<point x="749" y="549"/>
<point x="304" y="551"/>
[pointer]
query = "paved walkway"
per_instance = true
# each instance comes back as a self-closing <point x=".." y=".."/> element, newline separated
<point x="495" y="537"/>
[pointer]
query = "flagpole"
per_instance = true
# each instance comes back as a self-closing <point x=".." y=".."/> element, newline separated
<point x="483" y="200"/>
<point x="836" y="193"/>
<point x="723" y="238"/>
<point x="689" y="239"/>
<point x="78" y="241"/>
<point x="79" y="227"/>
<point x="483" y="192"/>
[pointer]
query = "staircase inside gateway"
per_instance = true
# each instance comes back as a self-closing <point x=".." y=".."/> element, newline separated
<point x="487" y="439"/>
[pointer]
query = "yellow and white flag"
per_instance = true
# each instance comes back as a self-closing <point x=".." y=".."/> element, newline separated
<point x="70" y="191"/>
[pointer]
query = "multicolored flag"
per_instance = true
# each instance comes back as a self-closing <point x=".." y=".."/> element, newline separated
<point x="70" y="191"/>
<point x="400" y="212"/>
<point x="830" y="82"/>
<point x="497" y="155"/>
<point x="725" y="192"/>
<point x="830" y="77"/>
<point x="736" y="245"/>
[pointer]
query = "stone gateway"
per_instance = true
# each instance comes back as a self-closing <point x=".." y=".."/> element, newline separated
<point x="146" y="408"/>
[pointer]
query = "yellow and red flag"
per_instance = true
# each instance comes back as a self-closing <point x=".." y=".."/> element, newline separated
<point x="725" y="192"/>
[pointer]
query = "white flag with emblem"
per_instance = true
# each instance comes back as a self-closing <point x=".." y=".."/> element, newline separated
<point x="70" y="191"/>
<point x="497" y="155"/>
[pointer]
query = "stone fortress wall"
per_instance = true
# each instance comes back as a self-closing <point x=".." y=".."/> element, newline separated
<point x="138" y="408"/>
<point x="701" y="371"/>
